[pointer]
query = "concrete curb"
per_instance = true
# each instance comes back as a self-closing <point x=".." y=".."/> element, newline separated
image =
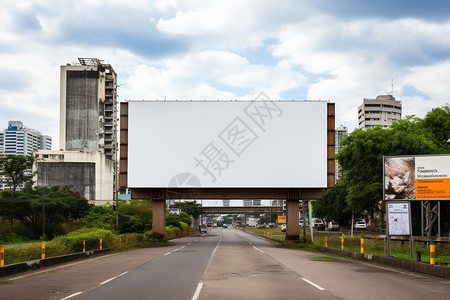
<point x="38" y="263"/>
<point x="435" y="270"/>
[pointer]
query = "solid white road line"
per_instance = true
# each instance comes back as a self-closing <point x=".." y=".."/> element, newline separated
<point x="314" y="285"/>
<point x="258" y="249"/>
<point x="197" y="291"/>
<point x="106" y="281"/>
<point x="73" y="295"/>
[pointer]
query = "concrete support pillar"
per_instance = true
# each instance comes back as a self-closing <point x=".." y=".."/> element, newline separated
<point x="159" y="218"/>
<point x="292" y="225"/>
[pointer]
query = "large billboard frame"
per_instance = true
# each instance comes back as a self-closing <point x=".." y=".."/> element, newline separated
<point x="292" y="195"/>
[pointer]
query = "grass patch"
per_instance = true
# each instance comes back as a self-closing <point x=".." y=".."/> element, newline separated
<point x="7" y="282"/>
<point x="326" y="258"/>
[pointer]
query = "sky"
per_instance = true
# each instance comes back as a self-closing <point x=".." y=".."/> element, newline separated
<point x="341" y="51"/>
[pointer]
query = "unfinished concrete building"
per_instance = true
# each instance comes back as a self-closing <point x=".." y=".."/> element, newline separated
<point x="88" y="132"/>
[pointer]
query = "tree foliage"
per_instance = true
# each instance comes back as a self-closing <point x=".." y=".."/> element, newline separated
<point x="190" y="207"/>
<point x="16" y="170"/>
<point x="60" y="205"/>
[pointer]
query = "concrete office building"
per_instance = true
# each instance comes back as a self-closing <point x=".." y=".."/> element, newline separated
<point x="18" y="139"/>
<point x="87" y="159"/>
<point x="340" y="133"/>
<point x="381" y="111"/>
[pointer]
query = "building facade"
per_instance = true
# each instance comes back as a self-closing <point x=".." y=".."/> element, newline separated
<point x="382" y="111"/>
<point x="87" y="160"/>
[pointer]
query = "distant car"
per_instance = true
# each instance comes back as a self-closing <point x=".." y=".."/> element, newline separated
<point x="203" y="229"/>
<point x="300" y="223"/>
<point x="283" y="228"/>
<point x="209" y="225"/>
<point x="333" y="226"/>
<point x="319" y="225"/>
<point x="224" y="226"/>
<point x="360" y="225"/>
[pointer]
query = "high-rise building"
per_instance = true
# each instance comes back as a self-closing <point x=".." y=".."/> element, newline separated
<point x="381" y="111"/>
<point x="18" y="139"/>
<point x="340" y="133"/>
<point x="88" y="107"/>
<point x="87" y="160"/>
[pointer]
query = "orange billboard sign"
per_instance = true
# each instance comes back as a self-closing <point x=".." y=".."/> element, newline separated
<point x="417" y="177"/>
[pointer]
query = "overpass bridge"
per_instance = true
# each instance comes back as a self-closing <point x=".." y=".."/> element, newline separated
<point x="237" y="210"/>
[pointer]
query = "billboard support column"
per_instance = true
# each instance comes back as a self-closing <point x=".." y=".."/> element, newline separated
<point x="388" y="236"/>
<point x="292" y="224"/>
<point x="159" y="218"/>
<point x="411" y="237"/>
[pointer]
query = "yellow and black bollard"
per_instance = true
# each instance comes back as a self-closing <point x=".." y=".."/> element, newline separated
<point x="326" y="242"/>
<point x="84" y="246"/>
<point x="100" y="244"/>
<point x="342" y="243"/>
<point x="42" y="250"/>
<point x="2" y="256"/>
<point x="362" y="245"/>
<point x="432" y="254"/>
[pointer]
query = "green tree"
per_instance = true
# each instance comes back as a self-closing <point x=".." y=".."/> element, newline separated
<point x="60" y="205"/>
<point x="333" y="205"/>
<point x="437" y="122"/>
<point x="16" y="170"/>
<point x="190" y="207"/>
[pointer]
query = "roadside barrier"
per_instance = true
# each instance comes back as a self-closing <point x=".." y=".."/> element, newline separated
<point x="42" y="254"/>
<point x="362" y="245"/>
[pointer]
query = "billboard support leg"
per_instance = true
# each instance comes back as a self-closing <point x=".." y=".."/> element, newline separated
<point x="159" y="218"/>
<point x="292" y="225"/>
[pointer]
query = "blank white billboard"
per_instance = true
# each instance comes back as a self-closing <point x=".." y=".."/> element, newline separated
<point x="227" y="144"/>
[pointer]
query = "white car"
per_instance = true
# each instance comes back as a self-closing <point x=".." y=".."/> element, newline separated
<point x="333" y="225"/>
<point x="283" y="228"/>
<point x="360" y="225"/>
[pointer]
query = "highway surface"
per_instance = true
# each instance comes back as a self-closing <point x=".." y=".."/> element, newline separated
<point x="222" y="264"/>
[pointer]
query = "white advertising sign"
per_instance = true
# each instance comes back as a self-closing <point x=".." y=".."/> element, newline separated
<point x="227" y="144"/>
<point x="398" y="218"/>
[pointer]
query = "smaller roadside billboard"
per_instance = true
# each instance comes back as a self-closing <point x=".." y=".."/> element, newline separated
<point x="398" y="214"/>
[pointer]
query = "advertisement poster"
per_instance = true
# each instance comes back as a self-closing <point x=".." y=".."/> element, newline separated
<point x="417" y="177"/>
<point x="398" y="218"/>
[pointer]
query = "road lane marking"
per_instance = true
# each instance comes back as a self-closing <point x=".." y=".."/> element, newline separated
<point x="167" y="253"/>
<point x="106" y="281"/>
<point x="314" y="285"/>
<point x="182" y="247"/>
<point x="73" y="295"/>
<point x="197" y="291"/>
<point x="258" y="249"/>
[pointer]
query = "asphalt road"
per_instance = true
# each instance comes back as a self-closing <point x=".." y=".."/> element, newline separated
<point x="223" y="264"/>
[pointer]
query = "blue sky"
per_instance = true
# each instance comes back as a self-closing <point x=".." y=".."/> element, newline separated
<point x="342" y="51"/>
